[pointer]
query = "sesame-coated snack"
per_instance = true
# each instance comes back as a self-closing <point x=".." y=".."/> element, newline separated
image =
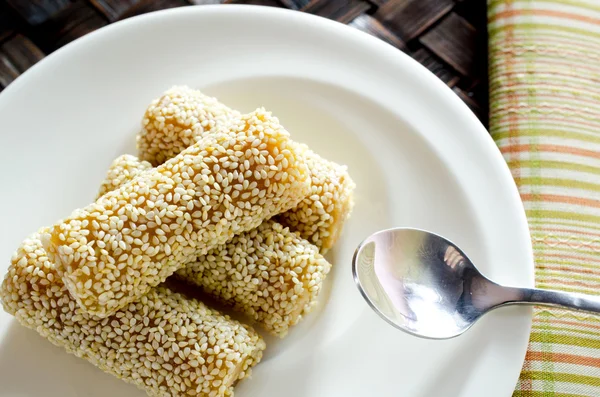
<point x="268" y="273"/>
<point x="177" y="120"/>
<point x="320" y="217"/>
<point x="163" y="343"/>
<point x="182" y="115"/>
<point x="131" y="239"/>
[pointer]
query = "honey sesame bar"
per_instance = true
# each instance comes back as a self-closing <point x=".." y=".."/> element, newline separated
<point x="268" y="273"/>
<point x="320" y="216"/>
<point x="163" y="343"/>
<point x="182" y="115"/>
<point x="113" y="251"/>
<point x="177" y="120"/>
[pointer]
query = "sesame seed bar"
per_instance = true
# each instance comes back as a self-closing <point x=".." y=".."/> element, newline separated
<point x="320" y="217"/>
<point x="131" y="239"/>
<point x="177" y="120"/>
<point x="268" y="273"/>
<point x="183" y="115"/>
<point x="163" y="343"/>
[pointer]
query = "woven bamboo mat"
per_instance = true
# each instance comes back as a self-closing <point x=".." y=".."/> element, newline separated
<point x="446" y="36"/>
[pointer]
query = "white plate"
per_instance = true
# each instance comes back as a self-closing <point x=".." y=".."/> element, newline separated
<point x="418" y="155"/>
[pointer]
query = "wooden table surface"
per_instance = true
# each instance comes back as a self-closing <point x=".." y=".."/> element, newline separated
<point x="448" y="37"/>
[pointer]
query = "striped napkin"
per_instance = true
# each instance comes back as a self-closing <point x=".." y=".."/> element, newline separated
<point x="545" y="117"/>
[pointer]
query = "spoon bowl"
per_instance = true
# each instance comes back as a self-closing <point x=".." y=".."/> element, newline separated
<point x="424" y="284"/>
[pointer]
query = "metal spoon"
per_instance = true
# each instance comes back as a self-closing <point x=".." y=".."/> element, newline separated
<point x="425" y="285"/>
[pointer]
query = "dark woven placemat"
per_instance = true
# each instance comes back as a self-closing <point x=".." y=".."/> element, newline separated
<point x="447" y="36"/>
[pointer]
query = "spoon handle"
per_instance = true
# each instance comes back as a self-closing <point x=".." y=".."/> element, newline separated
<point x="568" y="300"/>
